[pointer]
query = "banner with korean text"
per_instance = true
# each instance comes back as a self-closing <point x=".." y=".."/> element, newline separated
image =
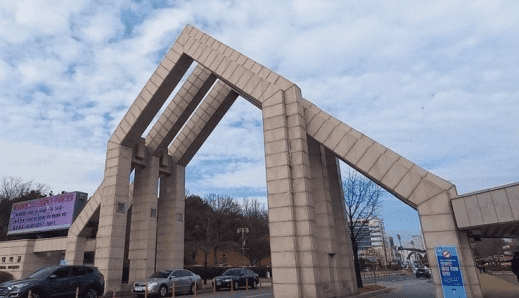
<point x="450" y="272"/>
<point x="43" y="214"/>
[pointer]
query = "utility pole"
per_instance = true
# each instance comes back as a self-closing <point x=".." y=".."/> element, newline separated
<point x="384" y="247"/>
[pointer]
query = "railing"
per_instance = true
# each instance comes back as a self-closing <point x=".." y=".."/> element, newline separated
<point x="375" y="274"/>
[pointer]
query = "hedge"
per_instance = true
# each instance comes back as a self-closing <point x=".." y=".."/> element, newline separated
<point x="5" y="276"/>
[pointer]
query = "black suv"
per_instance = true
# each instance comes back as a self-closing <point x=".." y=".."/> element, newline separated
<point x="423" y="272"/>
<point x="57" y="281"/>
<point x="236" y="278"/>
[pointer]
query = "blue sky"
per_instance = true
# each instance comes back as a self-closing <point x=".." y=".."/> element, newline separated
<point x="435" y="81"/>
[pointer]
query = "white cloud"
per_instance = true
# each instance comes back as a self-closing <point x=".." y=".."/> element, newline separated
<point x="239" y="175"/>
<point x="60" y="169"/>
<point x="434" y="81"/>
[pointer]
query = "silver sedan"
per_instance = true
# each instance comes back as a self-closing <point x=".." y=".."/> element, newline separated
<point x="164" y="282"/>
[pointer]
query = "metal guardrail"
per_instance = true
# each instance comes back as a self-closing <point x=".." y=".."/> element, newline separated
<point x="375" y="274"/>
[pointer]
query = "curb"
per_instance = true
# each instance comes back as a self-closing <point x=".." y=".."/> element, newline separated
<point x="372" y="293"/>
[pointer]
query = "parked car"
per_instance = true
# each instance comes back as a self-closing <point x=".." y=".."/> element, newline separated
<point x="57" y="281"/>
<point x="162" y="282"/>
<point x="237" y="277"/>
<point x="423" y="272"/>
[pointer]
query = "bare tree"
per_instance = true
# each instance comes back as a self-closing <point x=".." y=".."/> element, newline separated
<point x="199" y="231"/>
<point x="361" y="204"/>
<point x="15" y="190"/>
<point x="222" y="224"/>
<point x="15" y="187"/>
<point x="255" y="219"/>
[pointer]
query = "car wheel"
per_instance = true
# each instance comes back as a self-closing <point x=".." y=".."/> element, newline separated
<point x="35" y="295"/>
<point x="254" y="284"/>
<point x="236" y="285"/>
<point x="91" y="293"/>
<point x="217" y="288"/>
<point x="163" y="291"/>
<point x="193" y="289"/>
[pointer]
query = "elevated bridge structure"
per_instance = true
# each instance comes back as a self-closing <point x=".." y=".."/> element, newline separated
<point x="490" y="213"/>
<point x="310" y="247"/>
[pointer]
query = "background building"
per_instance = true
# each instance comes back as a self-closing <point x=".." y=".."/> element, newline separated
<point x="362" y="229"/>
<point x="416" y="242"/>
<point x="372" y="233"/>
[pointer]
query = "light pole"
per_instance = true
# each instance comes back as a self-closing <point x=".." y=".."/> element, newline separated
<point x="243" y="231"/>
<point x="401" y="257"/>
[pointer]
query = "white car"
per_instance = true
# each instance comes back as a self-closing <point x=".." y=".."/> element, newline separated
<point x="162" y="282"/>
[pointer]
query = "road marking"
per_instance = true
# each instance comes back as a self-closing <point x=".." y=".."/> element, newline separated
<point x="259" y="295"/>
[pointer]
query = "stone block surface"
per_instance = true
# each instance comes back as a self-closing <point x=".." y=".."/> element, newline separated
<point x="437" y="223"/>
<point x="488" y="213"/>
<point x="473" y="210"/>
<point x="513" y="198"/>
<point x="502" y="206"/>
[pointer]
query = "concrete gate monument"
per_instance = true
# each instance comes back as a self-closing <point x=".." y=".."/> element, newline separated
<point x="310" y="248"/>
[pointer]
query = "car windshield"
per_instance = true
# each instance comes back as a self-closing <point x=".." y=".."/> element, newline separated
<point x="42" y="272"/>
<point x="231" y="273"/>
<point x="160" y="274"/>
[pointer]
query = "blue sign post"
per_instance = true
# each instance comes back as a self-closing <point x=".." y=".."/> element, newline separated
<point x="450" y="272"/>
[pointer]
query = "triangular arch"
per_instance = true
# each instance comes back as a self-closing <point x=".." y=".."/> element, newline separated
<point x="302" y="145"/>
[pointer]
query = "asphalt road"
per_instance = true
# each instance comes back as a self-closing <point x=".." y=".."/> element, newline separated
<point x="257" y="293"/>
<point x="206" y="291"/>
<point x="405" y="286"/>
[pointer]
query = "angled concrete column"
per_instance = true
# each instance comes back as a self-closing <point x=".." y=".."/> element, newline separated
<point x="324" y="222"/>
<point x="112" y="223"/>
<point x="295" y="258"/>
<point x="76" y="241"/>
<point x="346" y="279"/>
<point x="334" y="250"/>
<point x="170" y="230"/>
<point x="143" y="232"/>
<point x="439" y="229"/>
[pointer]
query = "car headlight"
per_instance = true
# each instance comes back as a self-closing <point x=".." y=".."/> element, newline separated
<point x="17" y="286"/>
<point x="152" y="284"/>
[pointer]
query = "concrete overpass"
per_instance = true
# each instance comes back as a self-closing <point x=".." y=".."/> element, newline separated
<point x="489" y="213"/>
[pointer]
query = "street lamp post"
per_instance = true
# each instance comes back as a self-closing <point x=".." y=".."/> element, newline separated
<point x="243" y="231"/>
<point x="401" y="257"/>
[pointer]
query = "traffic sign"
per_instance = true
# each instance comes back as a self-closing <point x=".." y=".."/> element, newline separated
<point x="450" y="272"/>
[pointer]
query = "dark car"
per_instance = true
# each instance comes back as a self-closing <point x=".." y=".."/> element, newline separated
<point x="57" y="281"/>
<point x="423" y="272"/>
<point x="163" y="283"/>
<point x="237" y="277"/>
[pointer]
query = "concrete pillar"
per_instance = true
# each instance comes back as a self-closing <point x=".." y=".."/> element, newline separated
<point x="109" y="253"/>
<point x="334" y="248"/>
<point x="170" y="230"/>
<point x="439" y="229"/>
<point x="143" y="232"/>
<point x="294" y="253"/>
